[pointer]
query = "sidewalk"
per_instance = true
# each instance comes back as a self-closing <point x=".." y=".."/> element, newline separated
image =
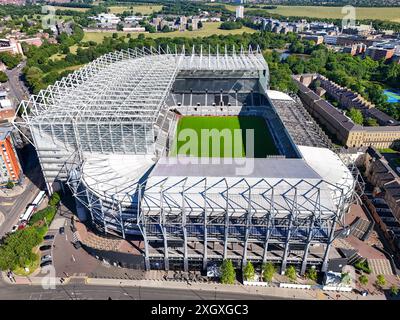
<point x="272" y="291"/>
<point x="16" y="191"/>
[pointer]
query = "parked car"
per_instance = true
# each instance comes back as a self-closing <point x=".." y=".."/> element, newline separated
<point x="48" y="237"/>
<point x="45" y="247"/>
<point x="77" y="245"/>
<point x="46" y="263"/>
<point x="45" y="257"/>
<point x="61" y="230"/>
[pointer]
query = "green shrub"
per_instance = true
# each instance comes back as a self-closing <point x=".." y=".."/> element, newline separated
<point x="248" y="272"/>
<point x="290" y="272"/>
<point x="363" y="280"/>
<point x="394" y="291"/>
<point x="362" y="265"/>
<point x="54" y="199"/>
<point x="47" y="215"/>
<point x="228" y="274"/>
<point x="312" y="274"/>
<point x="268" y="272"/>
<point x="380" y="280"/>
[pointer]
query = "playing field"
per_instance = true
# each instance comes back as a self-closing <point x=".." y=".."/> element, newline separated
<point x="209" y="29"/>
<point x="143" y="9"/>
<point x="223" y="137"/>
<point x="380" y="13"/>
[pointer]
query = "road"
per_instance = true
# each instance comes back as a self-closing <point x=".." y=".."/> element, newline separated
<point x="90" y="292"/>
<point x="32" y="171"/>
<point x="18" y="90"/>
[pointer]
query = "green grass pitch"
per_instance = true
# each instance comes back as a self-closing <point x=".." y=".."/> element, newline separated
<point x="231" y="147"/>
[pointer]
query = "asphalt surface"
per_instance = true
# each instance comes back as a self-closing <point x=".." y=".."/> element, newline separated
<point x="20" y="202"/>
<point x="94" y="292"/>
<point x="18" y="90"/>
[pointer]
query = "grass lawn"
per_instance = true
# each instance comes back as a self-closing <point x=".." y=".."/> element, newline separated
<point x="32" y="267"/>
<point x="387" y="150"/>
<point x="209" y="29"/>
<point x="380" y="13"/>
<point x="232" y="146"/>
<point x="71" y="8"/>
<point x="143" y="9"/>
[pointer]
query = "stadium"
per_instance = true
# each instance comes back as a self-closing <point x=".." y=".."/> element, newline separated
<point x="114" y="132"/>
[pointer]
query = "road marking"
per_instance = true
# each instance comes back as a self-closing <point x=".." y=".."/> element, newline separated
<point x="73" y="258"/>
<point x="7" y="203"/>
<point x="66" y="237"/>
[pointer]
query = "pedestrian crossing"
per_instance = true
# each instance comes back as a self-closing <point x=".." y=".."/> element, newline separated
<point x="380" y="266"/>
<point x="76" y="237"/>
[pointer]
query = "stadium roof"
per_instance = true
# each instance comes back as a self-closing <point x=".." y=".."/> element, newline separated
<point x="127" y="86"/>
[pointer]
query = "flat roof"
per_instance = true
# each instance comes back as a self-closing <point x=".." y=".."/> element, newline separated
<point x="182" y="166"/>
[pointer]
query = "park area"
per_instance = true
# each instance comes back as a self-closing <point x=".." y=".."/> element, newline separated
<point x="222" y="138"/>
<point x="142" y="9"/>
<point x="209" y="29"/>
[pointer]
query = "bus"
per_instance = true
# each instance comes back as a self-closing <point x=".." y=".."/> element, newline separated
<point x="27" y="214"/>
<point x="38" y="199"/>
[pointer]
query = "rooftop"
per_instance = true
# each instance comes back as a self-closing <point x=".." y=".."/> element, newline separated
<point x="128" y="86"/>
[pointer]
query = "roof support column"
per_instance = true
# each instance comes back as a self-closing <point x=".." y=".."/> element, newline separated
<point x="164" y="231"/>
<point x="121" y="220"/>
<point x="205" y="243"/>
<point x="142" y="227"/>
<point x="185" y="249"/>
<point x="267" y="236"/>
<point x="247" y="231"/>
<point x="269" y="226"/>
<point x="307" y="248"/>
<point x="226" y="226"/>
<point x="286" y="252"/>
<point x="324" y="267"/>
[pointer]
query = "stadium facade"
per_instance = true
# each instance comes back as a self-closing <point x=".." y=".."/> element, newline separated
<point x="106" y="131"/>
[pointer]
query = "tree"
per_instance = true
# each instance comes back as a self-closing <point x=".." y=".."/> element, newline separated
<point x="394" y="291"/>
<point x="3" y="77"/>
<point x="380" y="280"/>
<point x="312" y="274"/>
<point x="120" y="26"/>
<point x="230" y="25"/>
<point x="268" y="272"/>
<point x="345" y="278"/>
<point x="228" y="274"/>
<point x="356" y="116"/>
<point x="10" y="184"/>
<point x="371" y="122"/>
<point x="54" y="199"/>
<point x="248" y="272"/>
<point x="363" y="280"/>
<point x="290" y="272"/>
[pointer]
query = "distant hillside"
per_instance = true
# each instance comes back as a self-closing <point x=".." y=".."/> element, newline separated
<point x="355" y="3"/>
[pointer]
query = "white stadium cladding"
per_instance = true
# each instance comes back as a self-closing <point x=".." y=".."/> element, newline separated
<point x="105" y="131"/>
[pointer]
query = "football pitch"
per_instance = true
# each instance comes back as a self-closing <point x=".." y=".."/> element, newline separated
<point x="222" y="137"/>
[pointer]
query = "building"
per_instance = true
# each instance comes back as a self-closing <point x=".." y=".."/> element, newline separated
<point x="342" y="127"/>
<point x="377" y="53"/>
<point x="11" y="46"/>
<point x="109" y="138"/>
<point x="317" y="39"/>
<point x="106" y="20"/>
<point x="7" y="111"/>
<point x="10" y="169"/>
<point x="239" y="12"/>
